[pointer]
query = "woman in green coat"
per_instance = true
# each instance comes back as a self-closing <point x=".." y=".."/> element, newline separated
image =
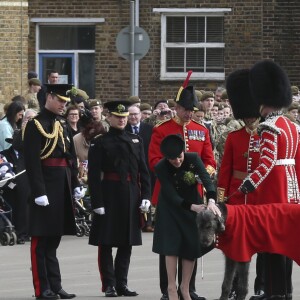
<point x="175" y="234"/>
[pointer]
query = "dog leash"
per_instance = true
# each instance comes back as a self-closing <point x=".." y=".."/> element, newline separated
<point x="237" y="191"/>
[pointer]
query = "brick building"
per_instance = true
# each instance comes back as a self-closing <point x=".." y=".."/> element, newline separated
<point x="79" y="39"/>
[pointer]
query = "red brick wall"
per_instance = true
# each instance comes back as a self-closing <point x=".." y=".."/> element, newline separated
<point x="253" y="30"/>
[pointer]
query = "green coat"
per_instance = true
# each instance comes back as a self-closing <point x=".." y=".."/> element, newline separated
<point x="176" y="232"/>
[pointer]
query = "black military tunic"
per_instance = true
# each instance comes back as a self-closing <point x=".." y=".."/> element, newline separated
<point x="51" y="168"/>
<point x="54" y="181"/>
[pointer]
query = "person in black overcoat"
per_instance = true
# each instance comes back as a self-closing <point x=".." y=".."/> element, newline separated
<point x="119" y="187"/>
<point x="144" y="130"/>
<point x="176" y="233"/>
<point x="52" y="171"/>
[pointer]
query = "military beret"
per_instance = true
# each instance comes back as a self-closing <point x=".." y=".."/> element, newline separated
<point x="294" y="105"/>
<point x="224" y="95"/>
<point x="31" y="74"/>
<point x="295" y="90"/>
<point x="77" y="94"/>
<point x="207" y="95"/>
<point x="198" y="94"/>
<point x="94" y="102"/>
<point x="172" y="146"/>
<point x="171" y="103"/>
<point x="160" y="101"/>
<point x="34" y="81"/>
<point x="145" y="106"/>
<point x="134" y="99"/>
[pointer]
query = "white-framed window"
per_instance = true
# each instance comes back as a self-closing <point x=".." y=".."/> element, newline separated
<point x="67" y="46"/>
<point x="192" y="39"/>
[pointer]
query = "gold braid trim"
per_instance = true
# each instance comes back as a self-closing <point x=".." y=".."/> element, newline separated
<point x="57" y="131"/>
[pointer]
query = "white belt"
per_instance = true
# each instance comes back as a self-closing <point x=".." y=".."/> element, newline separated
<point x="285" y="161"/>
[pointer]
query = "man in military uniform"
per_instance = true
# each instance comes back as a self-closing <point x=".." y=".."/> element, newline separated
<point x="277" y="177"/>
<point x="242" y="157"/>
<point x="117" y="196"/>
<point x="197" y="139"/>
<point x="51" y="167"/>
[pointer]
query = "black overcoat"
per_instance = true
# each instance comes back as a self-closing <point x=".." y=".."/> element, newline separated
<point x="175" y="231"/>
<point x="57" y="183"/>
<point x="118" y="181"/>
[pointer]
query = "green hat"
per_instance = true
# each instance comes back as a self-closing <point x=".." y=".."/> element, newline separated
<point x="77" y="95"/>
<point x="172" y="146"/>
<point x="34" y="81"/>
<point x="198" y="94"/>
<point x="294" y="105"/>
<point x="59" y="90"/>
<point x="134" y="99"/>
<point x="94" y="102"/>
<point x="171" y="103"/>
<point x="118" y="108"/>
<point x="207" y="95"/>
<point x="295" y="90"/>
<point x="224" y="95"/>
<point x="145" y="106"/>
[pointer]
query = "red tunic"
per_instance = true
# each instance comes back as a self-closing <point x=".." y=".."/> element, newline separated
<point x="276" y="179"/>
<point x="196" y="137"/>
<point x="241" y="157"/>
<point x="250" y="229"/>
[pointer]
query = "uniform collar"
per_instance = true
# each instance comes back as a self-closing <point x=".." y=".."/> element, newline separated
<point x="180" y="122"/>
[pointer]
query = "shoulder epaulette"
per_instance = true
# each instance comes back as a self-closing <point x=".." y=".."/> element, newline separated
<point x="199" y="123"/>
<point x="268" y="125"/>
<point x="161" y="122"/>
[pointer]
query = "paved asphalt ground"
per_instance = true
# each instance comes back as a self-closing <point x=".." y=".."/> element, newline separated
<point x="80" y="274"/>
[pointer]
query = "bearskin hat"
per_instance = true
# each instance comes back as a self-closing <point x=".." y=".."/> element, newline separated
<point x="239" y="95"/>
<point x="270" y="85"/>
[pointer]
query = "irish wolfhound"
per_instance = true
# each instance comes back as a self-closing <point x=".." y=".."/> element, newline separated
<point x="209" y="226"/>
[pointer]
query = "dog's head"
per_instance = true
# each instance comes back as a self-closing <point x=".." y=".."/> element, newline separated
<point x="209" y="225"/>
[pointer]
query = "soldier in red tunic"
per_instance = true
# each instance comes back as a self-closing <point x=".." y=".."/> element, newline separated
<point x="196" y="138"/>
<point x="276" y="179"/>
<point x="241" y="157"/>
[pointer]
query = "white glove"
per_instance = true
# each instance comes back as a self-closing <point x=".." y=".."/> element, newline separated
<point x="213" y="207"/>
<point x="42" y="200"/>
<point x="145" y="205"/>
<point x="100" y="211"/>
<point x="79" y="192"/>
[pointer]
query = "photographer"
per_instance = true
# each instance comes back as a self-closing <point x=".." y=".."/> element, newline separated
<point x="161" y="112"/>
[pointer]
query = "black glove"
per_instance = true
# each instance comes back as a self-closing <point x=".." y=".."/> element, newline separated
<point x="246" y="187"/>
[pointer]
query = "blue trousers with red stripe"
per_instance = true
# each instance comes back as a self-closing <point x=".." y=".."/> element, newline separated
<point x="44" y="264"/>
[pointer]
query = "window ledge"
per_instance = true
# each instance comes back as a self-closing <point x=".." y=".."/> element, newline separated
<point x="68" y="20"/>
<point x="195" y="76"/>
<point x="191" y="10"/>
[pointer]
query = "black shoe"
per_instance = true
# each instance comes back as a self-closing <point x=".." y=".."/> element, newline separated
<point x="259" y="295"/>
<point x="48" y="294"/>
<point x="111" y="292"/>
<point x="64" y="295"/>
<point x="194" y="296"/>
<point x="125" y="291"/>
<point x="164" y="296"/>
